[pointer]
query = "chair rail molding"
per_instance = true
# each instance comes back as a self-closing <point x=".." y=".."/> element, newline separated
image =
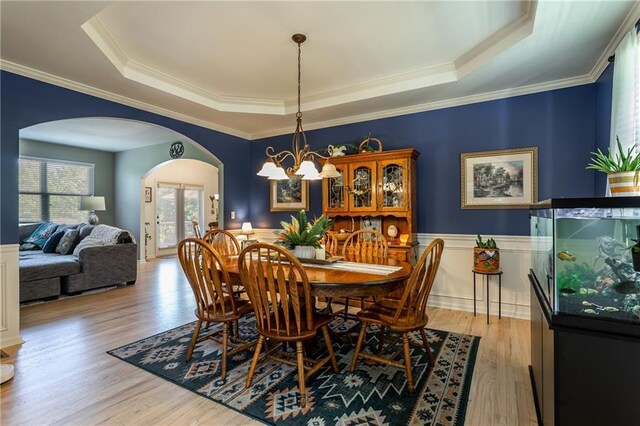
<point x="9" y="296"/>
<point x="453" y="287"/>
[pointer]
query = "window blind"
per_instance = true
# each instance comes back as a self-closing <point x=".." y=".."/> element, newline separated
<point x="50" y="190"/>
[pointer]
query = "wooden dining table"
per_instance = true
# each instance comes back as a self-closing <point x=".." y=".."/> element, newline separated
<point x="326" y="281"/>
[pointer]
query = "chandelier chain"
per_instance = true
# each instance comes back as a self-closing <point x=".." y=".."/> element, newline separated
<point x="299" y="114"/>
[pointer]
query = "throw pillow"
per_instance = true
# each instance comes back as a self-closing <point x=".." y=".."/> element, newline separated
<point x="42" y="234"/>
<point x="67" y="242"/>
<point x="85" y="230"/>
<point x="28" y="246"/>
<point x="52" y="242"/>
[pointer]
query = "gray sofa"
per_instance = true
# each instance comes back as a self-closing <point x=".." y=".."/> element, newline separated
<point x="46" y="275"/>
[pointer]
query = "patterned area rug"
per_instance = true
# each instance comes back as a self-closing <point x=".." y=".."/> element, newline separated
<point x="372" y="395"/>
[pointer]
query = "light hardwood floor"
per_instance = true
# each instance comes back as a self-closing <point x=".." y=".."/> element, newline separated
<point x="64" y="375"/>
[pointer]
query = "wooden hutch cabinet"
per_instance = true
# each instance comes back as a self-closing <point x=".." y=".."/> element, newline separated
<point x="378" y="187"/>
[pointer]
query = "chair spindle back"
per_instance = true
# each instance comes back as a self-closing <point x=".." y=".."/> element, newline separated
<point x="366" y="243"/>
<point x="196" y="229"/>
<point x="222" y="241"/>
<point x="207" y="277"/>
<point x="416" y="293"/>
<point x="278" y="288"/>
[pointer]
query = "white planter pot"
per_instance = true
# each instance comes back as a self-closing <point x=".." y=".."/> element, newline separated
<point x="624" y="184"/>
<point x="304" y="252"/>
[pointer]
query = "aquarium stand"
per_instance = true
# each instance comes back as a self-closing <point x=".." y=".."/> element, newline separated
<point x="583" y="371"/>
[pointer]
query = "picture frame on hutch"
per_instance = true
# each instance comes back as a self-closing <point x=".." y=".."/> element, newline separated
<point x="504" y="179"/>
<point x="289" y="195"/>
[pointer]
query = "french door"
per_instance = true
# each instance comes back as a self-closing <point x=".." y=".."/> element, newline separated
<point x="177" y="205"/>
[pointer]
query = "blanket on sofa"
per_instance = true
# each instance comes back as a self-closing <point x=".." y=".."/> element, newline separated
<point x="111" y="235"/>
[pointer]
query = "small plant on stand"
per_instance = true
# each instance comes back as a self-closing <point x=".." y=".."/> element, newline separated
<point x="486" y="255"/>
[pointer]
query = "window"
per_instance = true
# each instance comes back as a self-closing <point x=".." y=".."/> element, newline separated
<point x="50" y="190"/>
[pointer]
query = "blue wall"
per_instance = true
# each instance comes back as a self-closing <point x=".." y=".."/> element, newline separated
<point x="25" y="102"/>
<point x="565" y="125"/>
<point x="561" y="123"/>
<point x="604" y="92"/>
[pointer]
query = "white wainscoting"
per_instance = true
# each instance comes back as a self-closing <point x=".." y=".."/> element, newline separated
<point x="453" y="288"/>
<point x="9" y="296"/>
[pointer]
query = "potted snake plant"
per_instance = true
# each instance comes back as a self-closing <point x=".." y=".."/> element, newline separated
<point x="623" y="169"/>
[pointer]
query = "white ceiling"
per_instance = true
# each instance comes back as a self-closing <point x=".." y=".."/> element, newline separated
<point x="103" y="134"/>
<point x="231" y="66"/>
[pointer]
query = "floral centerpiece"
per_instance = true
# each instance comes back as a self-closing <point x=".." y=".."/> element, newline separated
<point x="302" y="236"/>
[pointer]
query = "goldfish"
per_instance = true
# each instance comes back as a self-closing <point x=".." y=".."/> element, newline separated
<point x="566" y="256"/>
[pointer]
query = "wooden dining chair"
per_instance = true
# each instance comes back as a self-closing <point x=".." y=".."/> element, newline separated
<point x="224" y="242"/>
<point x="364" y="245"/>
<point x="208" y="278"/>
<point x="280" y="293"/>
<point x="405" y="315"/>
<point x="196" y="229"/>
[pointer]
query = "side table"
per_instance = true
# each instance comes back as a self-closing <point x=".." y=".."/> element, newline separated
<point x="488" y="276"/>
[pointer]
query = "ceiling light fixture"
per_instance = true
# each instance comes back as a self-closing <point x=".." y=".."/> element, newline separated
<point x="303" y="164"/>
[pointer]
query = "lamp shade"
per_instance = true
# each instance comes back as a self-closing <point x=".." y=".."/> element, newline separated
<point x="329" y="171"/>
<point x="268" y="168"/>
<point x="278" y="174"/>
<point x="90" y="202"/>
<point x="312" y="175"/>
<point x="247" y="229"/>
<point x="306" y="167"/>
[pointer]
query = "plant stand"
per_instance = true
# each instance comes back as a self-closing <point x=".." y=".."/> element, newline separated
<point x="488" y="275"/>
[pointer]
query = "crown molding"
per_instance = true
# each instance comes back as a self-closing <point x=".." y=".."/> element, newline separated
<point x="103" y="94"/>
<point x="430" y="106"/>
<point x="630" y="21"/>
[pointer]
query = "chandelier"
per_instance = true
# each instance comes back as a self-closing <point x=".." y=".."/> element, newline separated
<point x="303" y="158"/>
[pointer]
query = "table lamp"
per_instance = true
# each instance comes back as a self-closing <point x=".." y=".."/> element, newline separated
<point x="247" y="229"/>
<point x="92" y="203"/>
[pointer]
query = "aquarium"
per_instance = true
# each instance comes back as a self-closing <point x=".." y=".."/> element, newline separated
<point x="583" y="253"/>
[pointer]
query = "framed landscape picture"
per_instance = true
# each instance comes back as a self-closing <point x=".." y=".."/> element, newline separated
<point x="289" y="195"/>
<point x="499" y="179"/>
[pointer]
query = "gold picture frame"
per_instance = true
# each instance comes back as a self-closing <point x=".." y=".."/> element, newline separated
<point x="289" y="195"/>
<point x="504" y="179"/>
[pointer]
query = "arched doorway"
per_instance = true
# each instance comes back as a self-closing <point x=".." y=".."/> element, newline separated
<point x="176" y="193"/>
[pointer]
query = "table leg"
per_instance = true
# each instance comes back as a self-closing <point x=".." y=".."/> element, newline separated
<point x="474" y="294"/>
<point x="499" y="296"/>
<point x="487" y="299"/>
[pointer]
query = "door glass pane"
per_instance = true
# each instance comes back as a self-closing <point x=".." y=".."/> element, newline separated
<point x="361" y="187"/>
<point x="336" y="191"/>
<point x="392" y="189"/>
<point x="192" y="203"/>
<point x="167" y="217"/>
